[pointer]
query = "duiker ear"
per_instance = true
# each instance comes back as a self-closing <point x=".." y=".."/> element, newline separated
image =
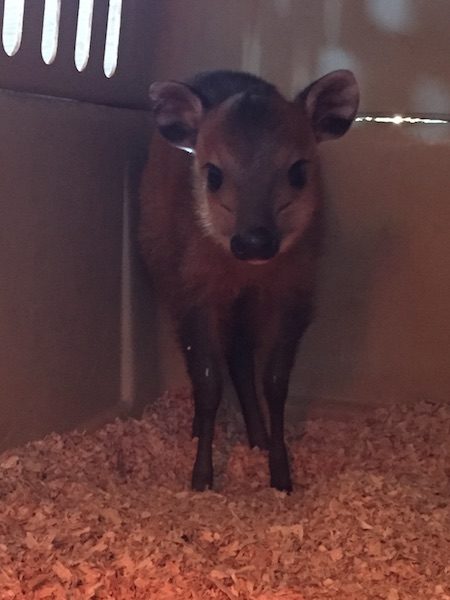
<point x="178" y="111"/>
<point x="331" y="103"/>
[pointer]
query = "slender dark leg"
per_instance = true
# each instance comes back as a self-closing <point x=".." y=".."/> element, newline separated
<point x="195" y="425"/>
<point x="292" y="325"/>
<point x="242" y="371"/>
<point x="201" y="352"/>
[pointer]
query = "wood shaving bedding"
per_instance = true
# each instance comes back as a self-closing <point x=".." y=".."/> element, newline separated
<point x="110" y="515"/>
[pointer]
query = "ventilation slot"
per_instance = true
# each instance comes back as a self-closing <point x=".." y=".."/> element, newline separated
<point x="50" y="30"/>
<point x="13" y="15"/>
<point x="84" y="30"/>
<point x="112" y="37"/>
<point x="12" y="25"/>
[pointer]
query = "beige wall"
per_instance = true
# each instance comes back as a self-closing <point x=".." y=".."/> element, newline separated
<point x="62" y="296"/>
<point x="26" y="71"/>
<point x="399" y="49"/>
<point x="383" y="332"/>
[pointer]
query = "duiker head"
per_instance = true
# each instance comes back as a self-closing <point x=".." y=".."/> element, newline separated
<point x="255" y="157"/>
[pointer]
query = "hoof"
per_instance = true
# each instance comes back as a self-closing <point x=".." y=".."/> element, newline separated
<point x="282" y="484"/>
<point x="280" y="476"/>
<point x="259" y="441"/>
<point x="202" y="479"/>
<point x="258" y="438"/>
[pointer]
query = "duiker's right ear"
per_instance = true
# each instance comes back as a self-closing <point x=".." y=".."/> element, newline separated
<point x="178" y="112"/>
<point x="331" y="103"/>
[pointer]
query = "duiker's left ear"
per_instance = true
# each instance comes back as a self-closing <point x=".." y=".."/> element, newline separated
<point x="178" y="112"/>
<point x="331" y="103"/>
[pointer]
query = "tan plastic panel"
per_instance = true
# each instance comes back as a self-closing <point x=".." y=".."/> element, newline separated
<point x="399" y="50"/>
<point x="26" y="71"/>
<point x="62" y="176"/>
<point x="383" y="333"/>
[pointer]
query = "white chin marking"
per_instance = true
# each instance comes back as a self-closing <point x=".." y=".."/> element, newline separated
<point x="257" y="262"/>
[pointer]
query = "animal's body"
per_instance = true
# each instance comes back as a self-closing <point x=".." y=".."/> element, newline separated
<point x="231" y="231"/>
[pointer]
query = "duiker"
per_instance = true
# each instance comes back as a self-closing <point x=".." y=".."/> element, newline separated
<point x="231" y="231"/>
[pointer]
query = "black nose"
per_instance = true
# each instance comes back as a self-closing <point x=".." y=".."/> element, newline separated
<point x="255" y="244"/>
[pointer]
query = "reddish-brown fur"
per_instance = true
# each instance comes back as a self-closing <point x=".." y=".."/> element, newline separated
<point x="187" y="264"/>
<point x="225" y="308"/>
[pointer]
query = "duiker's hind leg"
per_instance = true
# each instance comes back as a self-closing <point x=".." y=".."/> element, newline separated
<point x="291" y="326"/>
<point x="201" y="349"/>
<point x="242" y="371"/>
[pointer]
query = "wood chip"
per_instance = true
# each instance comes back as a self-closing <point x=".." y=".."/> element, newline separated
<point x="62" y="571"/>
<point x="110" y="514"/>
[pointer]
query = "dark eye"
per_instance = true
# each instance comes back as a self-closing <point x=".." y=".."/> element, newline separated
<point x="297" y="174"/>
<point x="214" y="177"/>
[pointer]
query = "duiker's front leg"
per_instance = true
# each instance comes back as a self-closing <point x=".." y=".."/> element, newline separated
<point x="242" y="371"/>
<point x="291" y="324"/>
<point x="201" y="349"/>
